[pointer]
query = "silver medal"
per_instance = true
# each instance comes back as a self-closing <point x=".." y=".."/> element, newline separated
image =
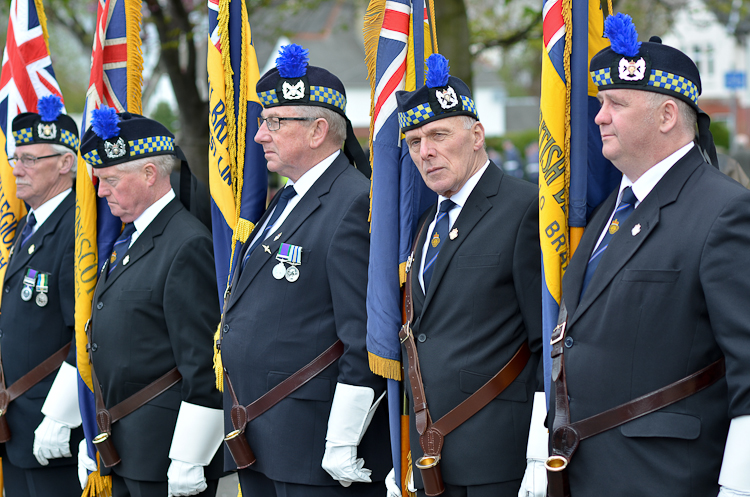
<point x="292" y="274"/>
<point x="41" y="299"/>
<point x="279" y="270"/>
<point x="26" y="293"/>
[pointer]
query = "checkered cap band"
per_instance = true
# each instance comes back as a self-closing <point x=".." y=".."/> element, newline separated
<point x="92" y="157"/>
<point x="328" y="96"/>
<point x="151" y="144"/>
<point x="268" y="98"/>
<point x="678" y="84"/>
<point x="23" y="136"/>
<point x="68" y="138"/>
<point x="658" y="79"/>
<point x="601" y="77"/>
<point x="420" y="113"/>
<point x="468" y="104"/>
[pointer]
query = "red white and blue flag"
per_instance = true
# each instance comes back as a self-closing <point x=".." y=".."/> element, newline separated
<point x="397" y="42"/>
<point x="26" y="77"/>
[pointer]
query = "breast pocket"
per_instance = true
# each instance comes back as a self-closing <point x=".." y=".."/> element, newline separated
<point x="135" y="295"/>
<point x="651" y="275"/>
<point x="485" y="260"/>
<point x="664" y="424"/>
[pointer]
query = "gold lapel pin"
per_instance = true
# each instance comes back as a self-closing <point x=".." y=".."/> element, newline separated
<point x="453" y="234"/>
<point x="267" y="248"/>
<point x="636" y="229"/>
<point x="125" y="260"/>
<point x="277" y="237"/>
<point x="32" y="248"/>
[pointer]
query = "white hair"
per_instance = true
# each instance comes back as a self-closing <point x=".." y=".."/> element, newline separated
<point x="62" y="150"/>
<point x="336" y="122"/>
<point x="164" y="164"/>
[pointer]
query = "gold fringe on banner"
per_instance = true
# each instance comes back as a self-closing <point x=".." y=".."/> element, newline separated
<point x="42" y="22"/>
<point x="98" y="485"/>
<point x="135" y="55"/>
<point x="387" y="368"/>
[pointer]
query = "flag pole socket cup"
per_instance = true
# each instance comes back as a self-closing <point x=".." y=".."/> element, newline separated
<point x="106" y="448"/>
<point x="4" y="428"/>
<point x="556" y="463"/>
<point x="432" y="477"/>
<point x="240" y="449"/>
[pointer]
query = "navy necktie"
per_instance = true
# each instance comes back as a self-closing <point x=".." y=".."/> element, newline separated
<point x="623" y="211"/>
<point x="121" y="246"/>
<point x="437" y="240"/>
<point x="286" y="195"/>
<point x="28" y="230"/>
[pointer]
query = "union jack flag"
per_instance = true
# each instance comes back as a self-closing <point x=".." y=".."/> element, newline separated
<point x="397" y="42"/>
<point x="26" y="76"/>
<point x="115" y="81"/>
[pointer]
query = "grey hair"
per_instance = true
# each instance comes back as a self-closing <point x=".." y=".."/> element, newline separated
<point x="336" y="122"/>
<point x="467" y="121"/>
<point x="689" y="115"/>
<point x="62" y="150"/>
<point x="164" y="164"/>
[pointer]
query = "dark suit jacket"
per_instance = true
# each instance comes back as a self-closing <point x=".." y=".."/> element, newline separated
<point x="29" y="334"/>
<point x="667" y="299"/>
<point x="156" y="312"/>
<point x="483" y="302"/>
<point x="273" y="328"/>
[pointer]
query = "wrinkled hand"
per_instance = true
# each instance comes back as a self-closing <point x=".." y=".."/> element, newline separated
<point x="534" y="482"/>
<point x="185" y="479"/>
<point x="391" y="485"/>
<point x="51" y="441"/>
<point x="85" y="463"/>
<point x="342" y="463"/>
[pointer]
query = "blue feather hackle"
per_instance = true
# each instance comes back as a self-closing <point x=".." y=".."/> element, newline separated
<point x="104" y="122"/>
<point x="437" y="71"/>
<point x="292" y="61"/>
<point x="621" y="32"/>
<point x="49" y="107"/>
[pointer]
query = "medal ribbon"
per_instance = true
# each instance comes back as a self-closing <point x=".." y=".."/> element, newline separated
<point x="291" y="254"/>
<point x="30" y="277"/>
<point x="42" y="283"/>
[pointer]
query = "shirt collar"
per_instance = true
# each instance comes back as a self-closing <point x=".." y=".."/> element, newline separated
<point x="152" y="211"/>
<point x="306" y="181"/>
<point x="643" y="185"/>
<point x="46" y="209"/>
<point x="462" y="195"/>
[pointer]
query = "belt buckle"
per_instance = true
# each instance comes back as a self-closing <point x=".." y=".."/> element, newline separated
<point x="558" y="333"/>
<point x="407" y="334"/>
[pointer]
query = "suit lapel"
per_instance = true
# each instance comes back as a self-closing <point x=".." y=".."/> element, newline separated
<point x="143" y="244"/>
<point x="303" y="210"/>
<point x="628" y="239"/>
<point x="21" y="257"/>
<point x="475" y="208"/>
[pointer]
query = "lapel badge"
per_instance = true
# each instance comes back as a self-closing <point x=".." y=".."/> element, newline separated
<point x="10" y="253"/>
<point x="614" y="226"/>
<point x="276" y="238"/>
<point x="32" y="248"/>
<point x="453" y="234"/>
<point x="266" y="248"/>
<point x="125" y="260"/>
<point x="636" y="229"/>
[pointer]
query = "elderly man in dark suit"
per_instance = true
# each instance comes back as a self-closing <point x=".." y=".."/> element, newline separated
<point x="154" y="311"/>
<point x="476" y="293"/>
<point x="655" y="297"/>
<point x="299" y="290"/>
<point x="36" y="318"/>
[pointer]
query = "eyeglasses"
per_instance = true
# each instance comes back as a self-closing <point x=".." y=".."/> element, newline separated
<point x="274" y="123"/>
<point x="29" y="161"/>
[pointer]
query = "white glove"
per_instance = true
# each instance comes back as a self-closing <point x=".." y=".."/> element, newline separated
<point x="85" y="464"/>
<point x="351" y="412"/>
<point x="534" y="482"/>
<point x="391" y="485"/>
<point x="185" y="479"/>
<point x="342" y="463"/>
<point x="51" y="440"/>
<point x="729" y="492"/>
